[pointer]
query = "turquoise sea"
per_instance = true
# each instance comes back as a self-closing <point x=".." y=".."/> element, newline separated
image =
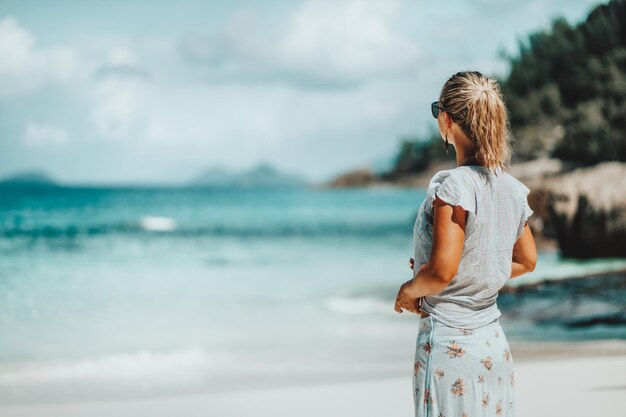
<point x="130" y="291"/>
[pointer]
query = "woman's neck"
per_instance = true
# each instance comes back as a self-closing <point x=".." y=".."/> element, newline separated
<point x="464" y="161"/>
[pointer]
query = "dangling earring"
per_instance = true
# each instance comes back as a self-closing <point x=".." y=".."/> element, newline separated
<point x="447" y="144"/>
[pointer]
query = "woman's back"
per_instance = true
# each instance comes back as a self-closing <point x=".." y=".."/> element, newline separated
<point x="498" y="209"/>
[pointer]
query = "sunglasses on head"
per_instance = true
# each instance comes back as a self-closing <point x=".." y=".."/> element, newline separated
<point x="435" y="108"/>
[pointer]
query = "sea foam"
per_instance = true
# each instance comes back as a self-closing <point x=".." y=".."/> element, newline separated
<point x="157" y="224"/>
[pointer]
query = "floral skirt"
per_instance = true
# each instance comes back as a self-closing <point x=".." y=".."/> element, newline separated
<point x="462" y="372"/>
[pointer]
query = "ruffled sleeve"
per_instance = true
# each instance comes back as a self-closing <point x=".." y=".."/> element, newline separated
<point x="453" y="188"/>
<point x="526" y="211"/>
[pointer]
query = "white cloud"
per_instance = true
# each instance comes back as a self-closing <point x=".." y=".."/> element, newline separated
<point x="323" y="44"/>
<point x="261" y="114"/>
<point x="118" y="95"/>
<point x="24" y="67"/>
<point x="41" y="135"/>
<point x="351" y="38"/>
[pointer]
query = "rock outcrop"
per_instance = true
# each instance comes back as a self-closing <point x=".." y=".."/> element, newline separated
<point x="584" y="209"/>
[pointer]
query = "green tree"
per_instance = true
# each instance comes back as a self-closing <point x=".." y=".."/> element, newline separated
<point x="566" y="93"/>
<point x="567" y="89"/>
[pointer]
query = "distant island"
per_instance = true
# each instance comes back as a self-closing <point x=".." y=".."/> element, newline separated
<point x="31" y="178"/>
<point x="262" y="175"/>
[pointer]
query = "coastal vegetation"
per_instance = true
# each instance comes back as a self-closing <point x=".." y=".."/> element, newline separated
<point x="566" y="94"/>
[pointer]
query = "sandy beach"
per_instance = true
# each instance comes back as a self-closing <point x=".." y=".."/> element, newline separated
<point x="577" y="379"/>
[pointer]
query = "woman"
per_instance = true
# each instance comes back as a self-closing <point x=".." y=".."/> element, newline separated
<point x="470" y="237"/>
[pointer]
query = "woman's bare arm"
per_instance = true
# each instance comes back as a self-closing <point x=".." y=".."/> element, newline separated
<point x="448" y="240"/>
<point x="524" y="254"/>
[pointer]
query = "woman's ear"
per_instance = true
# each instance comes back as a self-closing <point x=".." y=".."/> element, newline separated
<point x="447" y="121"/>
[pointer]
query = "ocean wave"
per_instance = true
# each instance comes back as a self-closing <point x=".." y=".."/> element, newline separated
<point x="159" y="225"/>
<point x="145" y="373"/>
<point x="138" y="365"/>
<point x="148" y="369"/>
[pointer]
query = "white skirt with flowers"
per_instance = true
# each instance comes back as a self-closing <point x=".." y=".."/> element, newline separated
<point x="462" y="372"/>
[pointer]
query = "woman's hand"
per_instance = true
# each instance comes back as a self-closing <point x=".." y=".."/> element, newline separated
<point x="405" y="301"/>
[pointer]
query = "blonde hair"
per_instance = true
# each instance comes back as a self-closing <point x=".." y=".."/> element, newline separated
<point x="476" y="104"/>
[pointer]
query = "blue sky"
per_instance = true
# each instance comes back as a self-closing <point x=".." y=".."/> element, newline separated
<point x="156" y="91"/>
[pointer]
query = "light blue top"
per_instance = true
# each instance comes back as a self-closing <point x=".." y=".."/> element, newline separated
<point x="498" y="209"/>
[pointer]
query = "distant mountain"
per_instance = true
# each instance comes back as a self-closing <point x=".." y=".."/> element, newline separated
<point x="262" y="175"/>
<point x="32" y="178"/>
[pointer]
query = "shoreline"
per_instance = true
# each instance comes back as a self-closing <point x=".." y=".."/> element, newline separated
<point x="597" y="384"/>
<point x="532" y="351"/>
